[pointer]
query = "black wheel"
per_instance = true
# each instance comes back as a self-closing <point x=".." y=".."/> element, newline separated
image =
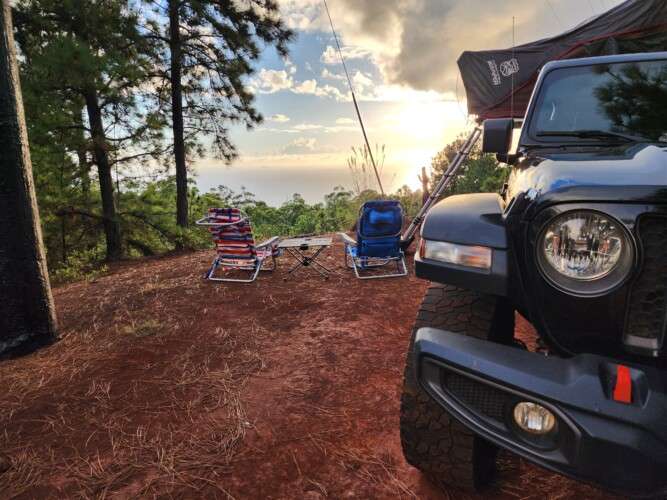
<point x="435" y="443"/>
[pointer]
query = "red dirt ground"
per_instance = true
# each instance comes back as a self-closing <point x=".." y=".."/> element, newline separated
<point x="165" y="385"/>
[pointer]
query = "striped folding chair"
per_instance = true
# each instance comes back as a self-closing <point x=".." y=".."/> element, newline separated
<point x="235" y="245"/>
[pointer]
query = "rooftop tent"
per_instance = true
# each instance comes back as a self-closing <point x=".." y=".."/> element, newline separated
<point x="631" y="27"/>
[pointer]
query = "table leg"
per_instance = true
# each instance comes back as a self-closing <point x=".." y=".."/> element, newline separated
<point x="313" y="260"/>
<point x="304" y="260"/>
<point x="321" y="266"/>
<point x="300" y="261"/>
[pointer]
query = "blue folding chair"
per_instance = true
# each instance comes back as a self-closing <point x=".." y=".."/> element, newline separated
<point x="378" y="242"/>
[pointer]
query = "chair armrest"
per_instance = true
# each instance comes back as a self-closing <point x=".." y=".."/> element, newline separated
<point x="204" y="221"/>
<point x="348" y="240"/>
<point x="268" y="243"/>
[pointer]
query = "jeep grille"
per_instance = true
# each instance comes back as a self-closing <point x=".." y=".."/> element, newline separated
<point x="646" y="317"/>
<point x="481" y="398"/>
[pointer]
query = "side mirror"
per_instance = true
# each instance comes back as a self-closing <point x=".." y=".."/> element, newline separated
<point x="497" y="135"/>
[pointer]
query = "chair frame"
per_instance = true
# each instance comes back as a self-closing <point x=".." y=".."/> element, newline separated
<point x="358" y="264"/>
<point x="254" y="266"/>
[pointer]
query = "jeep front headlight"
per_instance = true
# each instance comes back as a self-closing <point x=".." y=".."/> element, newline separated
<point x="585" y="252"/>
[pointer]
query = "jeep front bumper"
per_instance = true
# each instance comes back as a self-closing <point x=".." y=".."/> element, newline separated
<point x="622" y="447"/>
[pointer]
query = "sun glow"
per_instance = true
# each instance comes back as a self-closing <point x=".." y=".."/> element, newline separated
<point x="419" y="130"/>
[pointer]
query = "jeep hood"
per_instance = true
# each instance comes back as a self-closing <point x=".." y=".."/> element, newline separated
<point x="630" y="173"/>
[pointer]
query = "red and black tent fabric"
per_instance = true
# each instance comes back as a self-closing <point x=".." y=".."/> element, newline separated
<point x="498" y="83"/>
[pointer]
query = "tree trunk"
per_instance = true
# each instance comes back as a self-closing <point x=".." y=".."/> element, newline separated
<point x="177" y="114"/>
<point x="27" y="313"/>
<point x="82" y="157"/>
<point x="84" y="173"/>
<point x="424" y="180"/>
<point x="111" y="223"/>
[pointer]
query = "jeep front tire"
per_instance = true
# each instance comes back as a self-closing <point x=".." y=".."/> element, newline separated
<point x="434" y="442"/>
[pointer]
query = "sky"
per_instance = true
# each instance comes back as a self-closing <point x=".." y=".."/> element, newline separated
<point x="401" y="55"/>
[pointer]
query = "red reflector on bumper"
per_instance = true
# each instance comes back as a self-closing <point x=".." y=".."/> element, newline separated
<point x="623" y="388"/>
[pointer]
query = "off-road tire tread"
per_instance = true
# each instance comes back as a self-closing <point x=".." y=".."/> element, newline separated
<point x="432" y="441"/>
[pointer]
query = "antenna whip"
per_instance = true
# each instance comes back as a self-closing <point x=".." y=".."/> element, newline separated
<point x="354" y="99"/>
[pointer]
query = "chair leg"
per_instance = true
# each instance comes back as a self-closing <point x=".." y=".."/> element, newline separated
<point x="258" y="268"/>
<point x="274" y="265"/>
<point x="212" y="269"/>
<point x="255" y="272"/>
<point x="356" y="269"/>
<point x="404" y="264"/>
<point x="400" y="262"/>
<point x="349" y="259"/>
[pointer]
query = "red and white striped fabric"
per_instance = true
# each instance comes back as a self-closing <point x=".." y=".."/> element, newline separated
<point x="234" y="240"/>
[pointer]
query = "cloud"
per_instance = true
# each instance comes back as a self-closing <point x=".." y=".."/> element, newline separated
<point x="302" y="15"/>
<point x="306" y="87"/>
<point x="332" y="76"/>
<point x="344" y="128"/>
<point x="290" y="66"/>
<point x="312" y="87"/>
<point x="345" y="121"/>
<point x="415" y="43"/>
<point x="279" y="118"/>
<point x="277" y="130"/>
<point x="362" y="81"/>
<point x="269" y="81"/>
<point x="330" y="54"/>
<point x="300" y="145"/>
<point x="307" y="126"/>
<point x="341" y="125"/>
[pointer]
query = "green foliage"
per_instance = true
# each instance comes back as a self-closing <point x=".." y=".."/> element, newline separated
<point x="85" y="69"/>
<point x="81" y="265"/>
<point x="72" y="48"/>
<point x="410" y="200"/>
<point x="87" y="62"/>
<point x="146" y="210"/>
<point x="217" y="51"/>
<point x="75" y="240"/>
<point x="481" y="173"/>
<point x="294" y="216"/>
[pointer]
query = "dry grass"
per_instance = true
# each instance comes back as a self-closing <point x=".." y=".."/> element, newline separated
<point x="379" y="470"/>
<point x="143" y="328"/>
<point x="25" y="472"/>
<point x="166" y="386"/>
<point x="207" y="422"/>
<point x="171" y="428"/>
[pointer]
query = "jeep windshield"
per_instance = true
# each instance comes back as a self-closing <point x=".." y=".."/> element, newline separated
<point x="605" y="103"/>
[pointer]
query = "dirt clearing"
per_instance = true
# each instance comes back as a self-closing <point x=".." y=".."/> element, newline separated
<point x="165" y="385"/>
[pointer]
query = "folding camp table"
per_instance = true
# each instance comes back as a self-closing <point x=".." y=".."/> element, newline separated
<point x="306" y="250"/>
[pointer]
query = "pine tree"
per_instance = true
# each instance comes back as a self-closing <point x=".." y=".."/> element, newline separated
<point x="208" y="47"/>
<point x="27" y="314"/>
<point x="89" y="56"/>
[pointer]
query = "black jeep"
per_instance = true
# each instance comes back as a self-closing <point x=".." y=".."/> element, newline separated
<point x="577" y="244"/>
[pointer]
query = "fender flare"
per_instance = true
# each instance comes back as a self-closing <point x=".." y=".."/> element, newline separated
<point x="469" y="219"/>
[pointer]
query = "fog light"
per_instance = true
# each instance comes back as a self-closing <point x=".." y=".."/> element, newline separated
<point x="534" y="418"/>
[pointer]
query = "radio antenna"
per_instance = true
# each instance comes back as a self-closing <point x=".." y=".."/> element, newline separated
<point x="354" y="99"/>
<point x="513" y="57"/>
